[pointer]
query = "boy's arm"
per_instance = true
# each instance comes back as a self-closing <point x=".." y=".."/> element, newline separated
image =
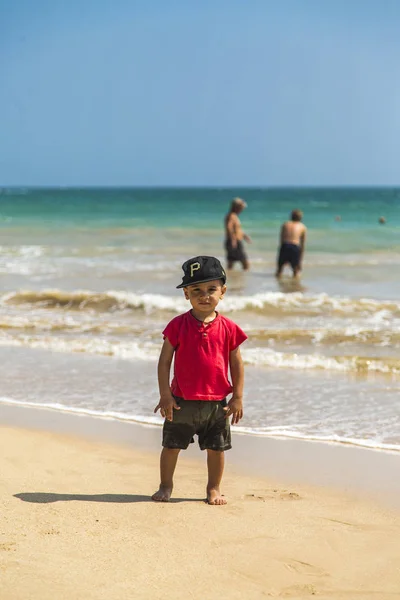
<point x="235" y="404"/>
<point x="167" y="402"/>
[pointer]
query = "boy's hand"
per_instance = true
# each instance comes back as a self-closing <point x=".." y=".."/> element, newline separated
<point x="247" y="238"/>
<point x="234" y="408"/>
<point x="167" y="405"/>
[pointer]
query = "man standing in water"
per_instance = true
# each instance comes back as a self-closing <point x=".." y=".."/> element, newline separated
<point x="293" y="239"/>
<point x="234" y="235"/>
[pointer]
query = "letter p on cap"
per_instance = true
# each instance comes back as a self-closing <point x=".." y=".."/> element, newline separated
<point x="194" y="267"/>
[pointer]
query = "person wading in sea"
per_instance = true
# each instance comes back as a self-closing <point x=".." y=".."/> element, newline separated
<point x="234" y="236"/>
<point x="292" y="239"/>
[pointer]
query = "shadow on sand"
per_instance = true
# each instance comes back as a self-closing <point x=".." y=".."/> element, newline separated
<point x="49" y="497"/>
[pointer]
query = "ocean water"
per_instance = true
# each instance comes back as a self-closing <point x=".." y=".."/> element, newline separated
<point x="88" y="282"/>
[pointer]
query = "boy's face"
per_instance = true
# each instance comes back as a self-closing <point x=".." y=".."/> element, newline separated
<point x="204" y="297"/>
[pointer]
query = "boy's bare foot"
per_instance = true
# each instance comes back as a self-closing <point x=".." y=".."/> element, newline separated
<point x="163" y="494"/>
<point x="214" y="496"/>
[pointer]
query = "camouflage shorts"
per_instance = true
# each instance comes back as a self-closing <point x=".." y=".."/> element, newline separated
<point x="205" y="418"/>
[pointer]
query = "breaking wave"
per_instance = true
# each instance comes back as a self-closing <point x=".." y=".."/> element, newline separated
<point x="261" y="357"/>
<point x="274" y="303"/>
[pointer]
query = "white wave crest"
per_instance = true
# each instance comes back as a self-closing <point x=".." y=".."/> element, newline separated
<point x="123" y="350"/>
<point x="287" y="432"/>
<point x="265" y="357"/>
<point x="149" y="351"/>
<point x="267" y="302"/>
<point x="149" y="302"/>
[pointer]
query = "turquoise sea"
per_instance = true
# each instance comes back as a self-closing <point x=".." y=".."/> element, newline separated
<point x="88" y="281"/>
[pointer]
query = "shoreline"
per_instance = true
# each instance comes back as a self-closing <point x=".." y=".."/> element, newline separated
<point x="350" y="469"/>
<point x="113" y="416"/>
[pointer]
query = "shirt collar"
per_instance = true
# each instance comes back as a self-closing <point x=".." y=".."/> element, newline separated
<point x="201" y="324"/>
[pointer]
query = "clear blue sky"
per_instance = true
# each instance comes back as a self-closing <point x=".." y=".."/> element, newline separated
<point x="199" y="92"/>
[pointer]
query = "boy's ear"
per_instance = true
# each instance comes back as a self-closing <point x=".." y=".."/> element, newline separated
<point x="186" y="293"/>
<point x="223" y="290"/>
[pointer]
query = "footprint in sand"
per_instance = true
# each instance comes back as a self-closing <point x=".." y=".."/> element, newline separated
<point x="354" y="526"/>
<point x="51" y="531"/>
<point x="273" y="495"/>
<point x="303" y="568"/>
<point x="298" y="591"/>
<point x="8" y="546"/>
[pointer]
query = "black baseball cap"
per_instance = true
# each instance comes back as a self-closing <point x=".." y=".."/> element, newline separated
<point x="201" y="269"/>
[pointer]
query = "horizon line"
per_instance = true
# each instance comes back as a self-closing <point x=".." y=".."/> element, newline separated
<point x="193" y="187"/>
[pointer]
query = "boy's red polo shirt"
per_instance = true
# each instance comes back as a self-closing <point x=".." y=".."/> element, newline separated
<point x="202" y="356"/>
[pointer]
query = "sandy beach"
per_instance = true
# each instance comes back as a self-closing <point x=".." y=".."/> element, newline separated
<point x="78" y="521"/>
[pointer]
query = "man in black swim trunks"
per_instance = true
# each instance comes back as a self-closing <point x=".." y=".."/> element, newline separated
<point x="234" y="235"/>
<point x="293" y="239"/>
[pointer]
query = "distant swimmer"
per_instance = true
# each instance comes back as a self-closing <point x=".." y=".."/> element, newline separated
<point x="292" y="240"/>
<point x="382" y="220"/>
<point x="234" y="235"/>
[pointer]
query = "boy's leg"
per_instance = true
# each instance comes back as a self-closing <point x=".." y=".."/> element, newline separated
<point x="215" y="465"/>
<point x="168" y="459"/>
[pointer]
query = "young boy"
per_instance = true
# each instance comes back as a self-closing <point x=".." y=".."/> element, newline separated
<point x="205" y="344"/>
<point x="292" y="240"/>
